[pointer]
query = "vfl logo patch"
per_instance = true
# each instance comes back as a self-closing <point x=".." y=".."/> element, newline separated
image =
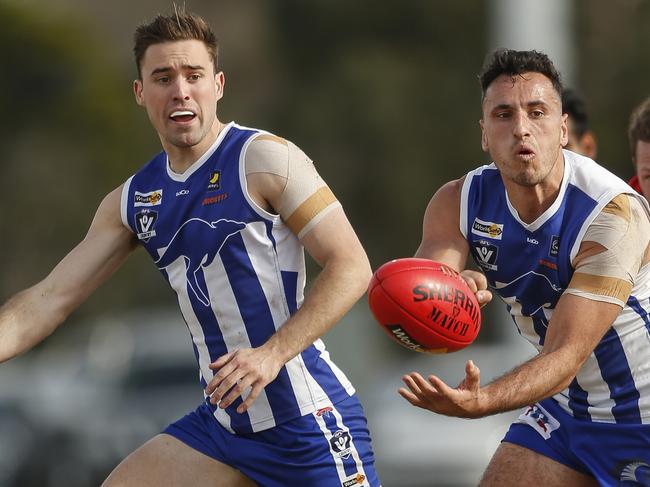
<point x="540" y="420"/>
<point x="487" y="229"/>
<point x="145" y="220"/>
<point x="555" y="246"/>
<point x="340" y="443"/>
<point x="215" y="181"/>
<point x="152" y="198"/>
<point x="486" y="255"/>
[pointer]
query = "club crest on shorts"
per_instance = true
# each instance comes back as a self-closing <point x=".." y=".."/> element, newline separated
<point x="540" y="420"/>
<point x="340" y="443"/>
<point x="145" y="220"/>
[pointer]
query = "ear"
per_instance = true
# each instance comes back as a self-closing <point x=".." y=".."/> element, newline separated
<point x="484" y="140"/>
<point x="138" y="92"/>
<point x="219" y="83"/>
<point x="564" y="130"/>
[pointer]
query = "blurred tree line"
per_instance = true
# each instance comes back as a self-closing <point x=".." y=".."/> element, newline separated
<point x="382" y="95"/>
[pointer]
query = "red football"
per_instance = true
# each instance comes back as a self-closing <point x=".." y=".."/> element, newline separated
<point x="424" y="305"/>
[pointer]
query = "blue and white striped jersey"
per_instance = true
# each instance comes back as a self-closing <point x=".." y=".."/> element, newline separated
<point x="238" y="271"/>
<point x="529" y="266"/>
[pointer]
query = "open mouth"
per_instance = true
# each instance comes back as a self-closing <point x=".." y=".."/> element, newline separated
<point x="182" y="116"/>
<point x="525" y="153"/>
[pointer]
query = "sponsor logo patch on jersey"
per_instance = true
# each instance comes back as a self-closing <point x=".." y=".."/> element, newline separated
<point x="356" y="480"/>
<point x="152" y="198"/>
<point x="211" y="200"/>
<point x="487" y="229"/>
<point x="215" y="181"/>
<point x="340" y="443"/>
<point x="540" y="420"/>
<point x="555" y="246"/>
<point x="145" y="220"/>
<point x="486" y="255"/>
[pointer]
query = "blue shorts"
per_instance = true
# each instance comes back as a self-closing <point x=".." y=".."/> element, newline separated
<point x="615" y="454"/>
<point x="330" y="447"/>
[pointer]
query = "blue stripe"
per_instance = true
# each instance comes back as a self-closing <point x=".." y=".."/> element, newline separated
<point x="258" y="321"/>
<point x="633" y="303"/>
<point x="290" y="282"/>
<point x="578" y="401"/>
<point x="617" y="374"/>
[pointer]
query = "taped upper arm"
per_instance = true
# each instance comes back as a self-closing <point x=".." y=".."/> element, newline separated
<point x="613" y="250"/>
<point x="297" y="193"/>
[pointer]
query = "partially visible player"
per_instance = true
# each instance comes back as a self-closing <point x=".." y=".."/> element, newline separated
<point x="566" y="245"/>
<point x="639" y="136"/>
<point x="225" y="213"/>
<point x="580" y="137"/>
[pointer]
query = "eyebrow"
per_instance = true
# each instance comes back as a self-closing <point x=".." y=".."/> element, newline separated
<point x="533" y="103"/>
<point x="185" y="67"/>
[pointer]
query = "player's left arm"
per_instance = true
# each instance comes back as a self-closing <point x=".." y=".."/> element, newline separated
<point x="312" y="212"/>
<point x="615" y="247"/>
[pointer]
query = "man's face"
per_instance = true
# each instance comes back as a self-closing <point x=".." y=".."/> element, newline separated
<point x="179" y="90"/>
<point x="643" y="166"/>
<point x="523" y="128"/>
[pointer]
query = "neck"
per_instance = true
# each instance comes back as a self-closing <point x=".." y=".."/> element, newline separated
<point x="532" y="201"/>
<point x="181" y="158"/>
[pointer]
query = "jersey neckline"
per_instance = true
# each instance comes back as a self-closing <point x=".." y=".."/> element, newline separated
<point x="551" y="210"/>
<point x="183" y="177"/>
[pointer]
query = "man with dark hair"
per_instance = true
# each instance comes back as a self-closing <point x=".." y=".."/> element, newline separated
<point x="581" y="138"/>
<point x="571" y="261"/>
<point x="639" y="136"/>
<point x="225" y="213"/>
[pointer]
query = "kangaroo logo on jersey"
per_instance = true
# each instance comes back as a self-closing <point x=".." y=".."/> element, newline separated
<point x="185" y="244"/>
<point x="486" y="255"/>
<point x="487" y="229"/>
<point x="152" y="198"/>
<point x="340" y="443"/>
<point x="533" y="289"/>
<point x="215" y="181"/>
<point x="540" y="420"/>
<point x="635" y="473"/>
<point x="555" y="246"/>
<point x="145" y="220"/>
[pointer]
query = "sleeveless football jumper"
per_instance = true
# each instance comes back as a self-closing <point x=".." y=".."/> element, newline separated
<point x="529" y="266"/>
<point x="238" y="272"/>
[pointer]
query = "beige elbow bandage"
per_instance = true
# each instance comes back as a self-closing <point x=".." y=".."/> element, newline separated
<point x="306" y="198"/>
<point x="612" y="252"/>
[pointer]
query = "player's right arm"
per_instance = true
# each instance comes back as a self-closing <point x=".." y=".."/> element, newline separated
<point x="33" y="314"/>
<point x="442" y="240"/>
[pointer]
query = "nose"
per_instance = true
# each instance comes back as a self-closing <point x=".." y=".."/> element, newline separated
<point x="520" y="127"/>
<point x="181" y="89"/>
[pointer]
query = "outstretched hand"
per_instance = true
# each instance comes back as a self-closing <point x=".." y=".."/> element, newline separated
<point x="435" y="395"/>
<point x="238" y="371"/>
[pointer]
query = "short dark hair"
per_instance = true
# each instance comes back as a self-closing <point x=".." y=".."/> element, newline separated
<point x="178" y="26"/>
<point x="639" y="129"/>
<point x="516" y="63"/>
<point x="575" y="107"/>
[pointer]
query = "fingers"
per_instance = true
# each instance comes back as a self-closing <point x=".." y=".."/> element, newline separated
<point x="477" y="282"/>
<point x="472" y="376"/>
